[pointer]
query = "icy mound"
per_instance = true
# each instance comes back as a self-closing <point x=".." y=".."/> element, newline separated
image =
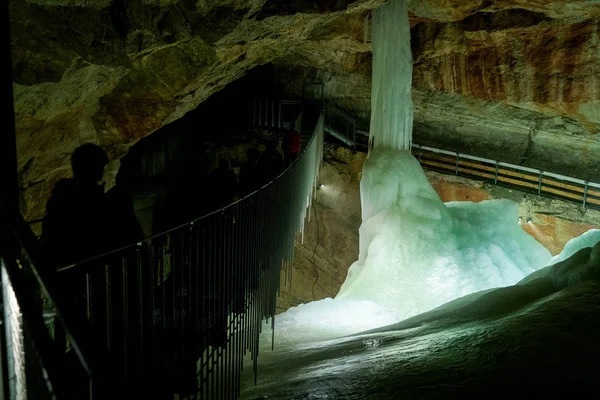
<point x="328" y="319"/>
<point x="588" y="239"/>
<point x="417" y="253"/>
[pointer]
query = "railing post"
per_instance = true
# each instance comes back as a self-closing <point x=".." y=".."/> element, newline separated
<point x="496" y="175"/>
<point x="279" y="124"/>
<point x="540" y="182"/>
<point x="585" y="192"/>
<point x="457" y="161"/>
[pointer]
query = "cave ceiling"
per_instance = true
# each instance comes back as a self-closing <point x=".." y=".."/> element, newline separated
<point x="114" y="71"/>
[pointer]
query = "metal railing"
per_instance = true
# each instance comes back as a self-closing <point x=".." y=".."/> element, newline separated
<point x="527" y="179"/>
<point x="42" y="363"/>
<point x="340" y="125"/>
<point x="523" y="178"/>
<point x="182" y="308"/>
<point x="275" y="113"/>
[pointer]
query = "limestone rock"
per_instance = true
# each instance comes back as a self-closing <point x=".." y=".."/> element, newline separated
<point x="510" y="78"/>
<point x="114" y="72"/>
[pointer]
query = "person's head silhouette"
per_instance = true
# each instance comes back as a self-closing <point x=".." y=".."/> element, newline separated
<point x="88" y="162"/>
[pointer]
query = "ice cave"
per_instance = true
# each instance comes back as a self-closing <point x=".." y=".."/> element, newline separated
<point x="274" y="199"/>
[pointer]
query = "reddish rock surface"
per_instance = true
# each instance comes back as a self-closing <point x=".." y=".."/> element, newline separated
<point x="516" y="57"/>
<point x="553" y="222"/>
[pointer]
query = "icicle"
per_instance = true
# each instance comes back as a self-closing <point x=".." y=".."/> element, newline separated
<point x="391" y="103"/>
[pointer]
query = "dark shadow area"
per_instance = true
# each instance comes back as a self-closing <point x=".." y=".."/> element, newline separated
<point x="288" y="7"/>
<point x="201" y="162"/>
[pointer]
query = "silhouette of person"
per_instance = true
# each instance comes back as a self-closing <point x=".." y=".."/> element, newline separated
<point x="250" y="173"/>
<point x="74" y="227"/>
<point x="271" y="162"/>
<point x="291" y="145"/>
<point x="225" y="184"/>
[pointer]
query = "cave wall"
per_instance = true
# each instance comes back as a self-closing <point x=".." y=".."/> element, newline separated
<point x="510" y="79"/>
<point x="112" y="72"/>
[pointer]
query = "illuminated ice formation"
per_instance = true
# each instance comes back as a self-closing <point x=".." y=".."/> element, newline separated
<point x="391" y="102"/>
<point x="588" y="239"/>
<point x="417" y="253"/>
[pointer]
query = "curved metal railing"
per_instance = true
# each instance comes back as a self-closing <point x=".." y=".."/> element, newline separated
<point x="182" y="308"/>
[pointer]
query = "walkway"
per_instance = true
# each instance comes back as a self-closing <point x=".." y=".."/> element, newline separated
<point x="543" y="183"/>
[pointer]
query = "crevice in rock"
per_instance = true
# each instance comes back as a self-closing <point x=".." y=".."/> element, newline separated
<point x="502" y="20"/>
<point x="289" y="7"/>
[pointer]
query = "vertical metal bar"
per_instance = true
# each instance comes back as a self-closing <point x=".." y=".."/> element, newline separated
<point x="222" y="300"/>
<point x="213" y="283"/>
<point x="347" y="127"/>
<point x="457" y="161"/>
<point x="541" y="177"/>
<point x="107" y="296"/>
<point x="125" y="300"/>
<point x="260" y="113"/>
<point x="4" y="320"/>
<point x="266" y="113"/>
<point x="496" y="175"/>
<point x="272" y="113"/>
<point x="280" y="119"/>
<point x="585" y="193"/>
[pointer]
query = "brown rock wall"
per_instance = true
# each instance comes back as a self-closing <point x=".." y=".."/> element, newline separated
<point x="550" y="66"/>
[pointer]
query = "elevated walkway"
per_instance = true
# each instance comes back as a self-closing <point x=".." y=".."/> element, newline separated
<point x="172" y="315"/>
<point x="527" y="179"/>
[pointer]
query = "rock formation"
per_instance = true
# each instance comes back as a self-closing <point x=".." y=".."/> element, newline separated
<point x="510" y="79"/>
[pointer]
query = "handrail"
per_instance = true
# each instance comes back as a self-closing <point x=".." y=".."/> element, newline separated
<point x="43" y="351"/>
<point x="581" y="194"/>
<point x="171" y="303"/>
<point x="502" y="173"/>
<point x="196" y="220"/>
<point x="348" y="133"/>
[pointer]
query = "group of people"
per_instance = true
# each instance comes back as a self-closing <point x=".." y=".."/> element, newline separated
<point x="83" y="221"/>
<point x="263" y="167"/>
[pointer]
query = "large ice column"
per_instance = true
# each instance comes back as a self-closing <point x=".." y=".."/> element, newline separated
<point x="391" y="103"/>
<point x="417" y="253"/>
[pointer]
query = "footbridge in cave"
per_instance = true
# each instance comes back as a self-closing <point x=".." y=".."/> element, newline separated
<point x="175" y="314"/>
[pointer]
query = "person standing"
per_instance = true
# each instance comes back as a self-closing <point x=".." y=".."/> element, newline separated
<point x="75" y="225"/>
<point x="291" y="145"/>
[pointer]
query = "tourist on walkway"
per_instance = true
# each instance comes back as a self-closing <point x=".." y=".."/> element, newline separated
<point x="291" y="145"/>
<point x="75" y="226"/>
<point x="250" y="173"/>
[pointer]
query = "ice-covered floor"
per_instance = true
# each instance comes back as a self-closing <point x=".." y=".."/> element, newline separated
<point x="536" y="339"/>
